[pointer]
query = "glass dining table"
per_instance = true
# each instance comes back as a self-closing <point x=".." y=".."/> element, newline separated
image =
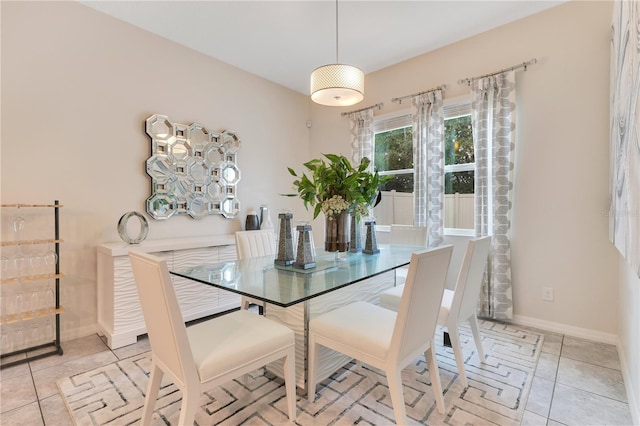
<point x="293" y="296"/>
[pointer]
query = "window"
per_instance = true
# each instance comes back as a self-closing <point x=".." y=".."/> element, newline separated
<point x="459" y="167"/>
<point x="393" y="155"/>
<point x="393" y="152"/>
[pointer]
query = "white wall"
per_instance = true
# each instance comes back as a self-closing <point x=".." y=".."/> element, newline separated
<point x="560" y="224"/>
<point x="77" y="86"/>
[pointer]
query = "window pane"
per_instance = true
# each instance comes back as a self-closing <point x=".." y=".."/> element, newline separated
<point x="458" y="144"/>
<point x="394" y="150"/>
<point x="402" y="182"/>
<point x="460" y="182"/>
<point x="459" y="211"/>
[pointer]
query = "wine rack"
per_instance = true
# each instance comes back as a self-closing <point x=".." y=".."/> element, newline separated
<point x="30" y="312"/>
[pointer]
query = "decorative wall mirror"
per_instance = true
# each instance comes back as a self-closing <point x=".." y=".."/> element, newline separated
<point x="193" y="171"/>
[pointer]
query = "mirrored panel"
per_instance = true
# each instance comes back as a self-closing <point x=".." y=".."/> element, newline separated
<point x="193" y="170"/>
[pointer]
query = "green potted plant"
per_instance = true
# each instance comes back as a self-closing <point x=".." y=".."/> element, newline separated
<point x="338" y="189"/>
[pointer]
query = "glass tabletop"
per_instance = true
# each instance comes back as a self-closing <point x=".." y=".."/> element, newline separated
<point x="261" y="278"/>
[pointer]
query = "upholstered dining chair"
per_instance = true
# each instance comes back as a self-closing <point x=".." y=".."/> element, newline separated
<point x="385" y="339"/>
<point x="458" y="305"/>
<point x="406" y="234"/>
<point x="255" y="244"/>
<point x="209" y="353"/>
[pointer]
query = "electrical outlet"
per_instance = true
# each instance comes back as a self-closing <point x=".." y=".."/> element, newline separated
<point x="547" y="294"/>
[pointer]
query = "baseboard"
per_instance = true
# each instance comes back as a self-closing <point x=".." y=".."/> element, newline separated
<point x="632" y="398"/>
<point x="569" y="330"/>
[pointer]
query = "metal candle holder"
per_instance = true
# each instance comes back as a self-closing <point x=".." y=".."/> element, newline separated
<point x="285" y="240"/>
<point x="371" y="243"/>
<point x="355" y="246"/>
<point x="305" y="258"/>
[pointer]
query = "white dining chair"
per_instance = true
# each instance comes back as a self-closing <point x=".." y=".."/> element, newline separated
<point x="460" y="304"/>
<point x="385" y="339"/>
<point x="410" y="235"/>
<point x="255" y="244"/>
<point x="209" y="353"/>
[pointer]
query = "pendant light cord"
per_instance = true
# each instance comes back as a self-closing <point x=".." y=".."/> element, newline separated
<point x="337" y="61"/>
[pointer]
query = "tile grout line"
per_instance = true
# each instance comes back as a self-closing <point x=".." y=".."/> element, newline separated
<point x="555" y="381"/>
<point x="35" y="389"/>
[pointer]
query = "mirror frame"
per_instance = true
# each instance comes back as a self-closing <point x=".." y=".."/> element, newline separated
<point x="186" y="178"/>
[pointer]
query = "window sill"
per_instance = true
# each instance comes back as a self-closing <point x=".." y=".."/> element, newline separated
<point x="447" y="231"/>
<point x="460" y="232"/>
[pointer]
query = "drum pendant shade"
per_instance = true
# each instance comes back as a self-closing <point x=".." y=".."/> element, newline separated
<point x="337" y="85"/>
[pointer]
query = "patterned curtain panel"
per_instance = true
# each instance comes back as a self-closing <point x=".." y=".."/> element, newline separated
<point x="428" y="163"/>
<point x="493" y="122"/>
<point x="361" y="136"/>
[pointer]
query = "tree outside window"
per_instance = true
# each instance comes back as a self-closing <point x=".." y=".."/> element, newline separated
<point x="458" y="150"/>
<point x="394" y="156"/>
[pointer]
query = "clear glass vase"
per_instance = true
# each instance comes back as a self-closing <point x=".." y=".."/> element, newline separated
<point x="337" y="232"/>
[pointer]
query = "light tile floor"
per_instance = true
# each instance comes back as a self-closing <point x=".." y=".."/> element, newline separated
<point x="577" y="382"/>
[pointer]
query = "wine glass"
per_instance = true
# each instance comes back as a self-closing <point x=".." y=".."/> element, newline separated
<point x="5" y="341"/>
<point x="23" y="265"/>
<point x="37" y="264"/>
<point x="5" y="307"/>
<point x="5" y="264"/>
<point x="36" y="298"/>
<point x="50" y="260"/>
<point x="18" y="226"/>
<point x="18" y="301"/>
<point x="10" y="268"/>
<point x="18" y="336"/>
<point x="48" y="298"/>
<point x="34" y="336"/>
<point x="48" y="328"/>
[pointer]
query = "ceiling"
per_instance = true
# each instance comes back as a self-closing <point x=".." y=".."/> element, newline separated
<point x="284" y="41"/>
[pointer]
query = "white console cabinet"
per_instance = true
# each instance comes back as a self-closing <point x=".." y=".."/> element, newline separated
<point x="119" y="314"/>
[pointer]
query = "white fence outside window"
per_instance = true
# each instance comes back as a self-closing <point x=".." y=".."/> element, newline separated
<point x="397" y="207"/>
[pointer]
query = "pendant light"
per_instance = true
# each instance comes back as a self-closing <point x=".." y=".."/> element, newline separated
<point x="337" y="84"/>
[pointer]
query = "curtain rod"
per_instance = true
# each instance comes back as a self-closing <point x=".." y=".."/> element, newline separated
<point x="378" y="105"/>
<point x="399" y="100"/>
<point x="524" y="65"/>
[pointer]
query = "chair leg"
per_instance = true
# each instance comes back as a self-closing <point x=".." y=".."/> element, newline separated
<point x="457" y="353"/>
<point x="312" y="368"/>
<point x="152" y="393"/>
<point x="475" y="330"/>
<point x="394" y="379"/>
<point x="434" y="374"/>
<point x="190" y="400"/>
<point x="290" y="381"/>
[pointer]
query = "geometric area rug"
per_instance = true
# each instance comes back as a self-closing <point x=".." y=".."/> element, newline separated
<point x="497" y="392"/>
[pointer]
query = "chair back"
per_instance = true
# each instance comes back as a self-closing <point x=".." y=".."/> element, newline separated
<point x="467" y="291"/>
<point x="255" y="243"/>
<point x="420" y="302"/>
<point x="165" y="326"/>
<point x="407" y="234"/>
